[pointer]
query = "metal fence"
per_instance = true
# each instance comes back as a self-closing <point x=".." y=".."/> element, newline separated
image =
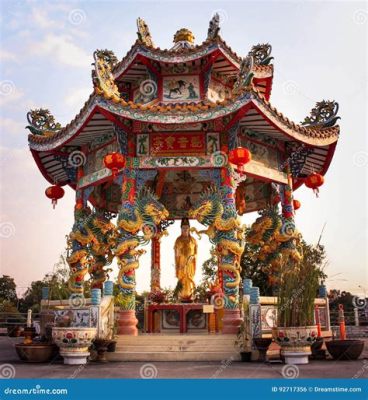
<point x="10" y="323"/>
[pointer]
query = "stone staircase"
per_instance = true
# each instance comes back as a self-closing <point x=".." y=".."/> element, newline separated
<point x="166" y="347"/>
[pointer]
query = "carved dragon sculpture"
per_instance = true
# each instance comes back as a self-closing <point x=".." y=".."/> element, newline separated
<point x="276" y="239"/>
<point x="144" y="215"/>
<point x="42" y="122"/>
<point x="324" y="114"/>
<point x="227" y="233"/>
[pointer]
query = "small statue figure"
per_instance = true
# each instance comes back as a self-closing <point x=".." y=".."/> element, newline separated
<point x="185" y="261"/>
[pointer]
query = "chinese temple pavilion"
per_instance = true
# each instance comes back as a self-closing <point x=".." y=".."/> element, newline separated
<point x="185" y="133"/>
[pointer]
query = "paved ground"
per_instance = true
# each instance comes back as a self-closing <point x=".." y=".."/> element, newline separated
<point x="224" y="369"/>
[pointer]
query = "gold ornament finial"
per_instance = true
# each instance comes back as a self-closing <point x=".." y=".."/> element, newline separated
<point x="184" y="35"/>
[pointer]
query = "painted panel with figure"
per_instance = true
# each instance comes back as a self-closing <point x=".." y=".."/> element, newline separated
<point x="181" y="88"/>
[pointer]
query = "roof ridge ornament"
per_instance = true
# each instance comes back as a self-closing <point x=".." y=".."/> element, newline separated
<point x="323" y="115"/>
<point x="214" y="27"/>
<point x="183" y="39"/>
<point x="261" y="53"/>
<point x="42" y="122"/>
<point x="144" y="35"/>
<point x="102" y="76"/>
<point x="245" y="75"/>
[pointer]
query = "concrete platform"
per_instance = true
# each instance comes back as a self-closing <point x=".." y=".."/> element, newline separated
<point x="226" y="368"/>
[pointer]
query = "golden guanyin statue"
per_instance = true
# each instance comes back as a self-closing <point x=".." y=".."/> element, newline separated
<point x="185" y="261"/>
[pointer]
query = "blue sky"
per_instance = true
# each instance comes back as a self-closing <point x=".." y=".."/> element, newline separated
<point x="320" y="51"/>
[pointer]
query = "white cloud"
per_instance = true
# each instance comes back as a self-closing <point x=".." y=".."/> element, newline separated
<point x="9" y="93"/>
<point x="41" y="18"/>
<point x="8" y="125"/>
<point x="7" y="56"/>
<point x="77" y="97"/>
<point x="62" y="49"/>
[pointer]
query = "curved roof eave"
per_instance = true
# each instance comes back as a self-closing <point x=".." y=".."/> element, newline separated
<point x="173" y="56"/>
<point x="172" y="115"/>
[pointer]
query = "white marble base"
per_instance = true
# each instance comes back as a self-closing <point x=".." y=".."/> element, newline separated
<point x="74" y="358"/>
<point x="294" y="357"/>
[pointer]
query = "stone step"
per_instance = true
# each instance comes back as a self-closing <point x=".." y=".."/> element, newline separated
<point x="176" y="338"/>
<point x="167" y="348"/>
<point x="175" y="347"/>
<point x="174" y="356"/>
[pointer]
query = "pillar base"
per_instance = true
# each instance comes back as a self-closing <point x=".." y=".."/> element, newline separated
<point x="127" y="323"/>
<point x="231" y="321"/>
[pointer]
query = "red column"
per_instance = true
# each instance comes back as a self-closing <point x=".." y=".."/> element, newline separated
<point x="155" y="264"/>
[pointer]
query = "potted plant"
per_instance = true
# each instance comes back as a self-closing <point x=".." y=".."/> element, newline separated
<point x="243" y="341"/>
<point x="295" y="331"/>
<point x="74" y="343"/>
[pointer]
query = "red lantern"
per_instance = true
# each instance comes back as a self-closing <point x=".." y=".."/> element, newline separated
<point x="114" y="161"/>
<point x="314" y="181"/>
<point x="296" y="204"/>
<point x="54" y="193"/>
<point x="240" y="156"/>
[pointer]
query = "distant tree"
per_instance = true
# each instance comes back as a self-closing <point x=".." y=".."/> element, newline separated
<point x="56" y="281"/>
<point x="210" y="270"/>
<point x="8" y="289"/>
<point x="337" y="297"/>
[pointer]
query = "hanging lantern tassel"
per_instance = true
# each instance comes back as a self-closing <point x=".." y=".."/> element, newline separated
<point x="314" y="181"/>
<point x="54" y="193"/>
<point x="114" y="162"/>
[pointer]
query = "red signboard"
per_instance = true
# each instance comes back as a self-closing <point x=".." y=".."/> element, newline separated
<point x="172" y="144"/>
